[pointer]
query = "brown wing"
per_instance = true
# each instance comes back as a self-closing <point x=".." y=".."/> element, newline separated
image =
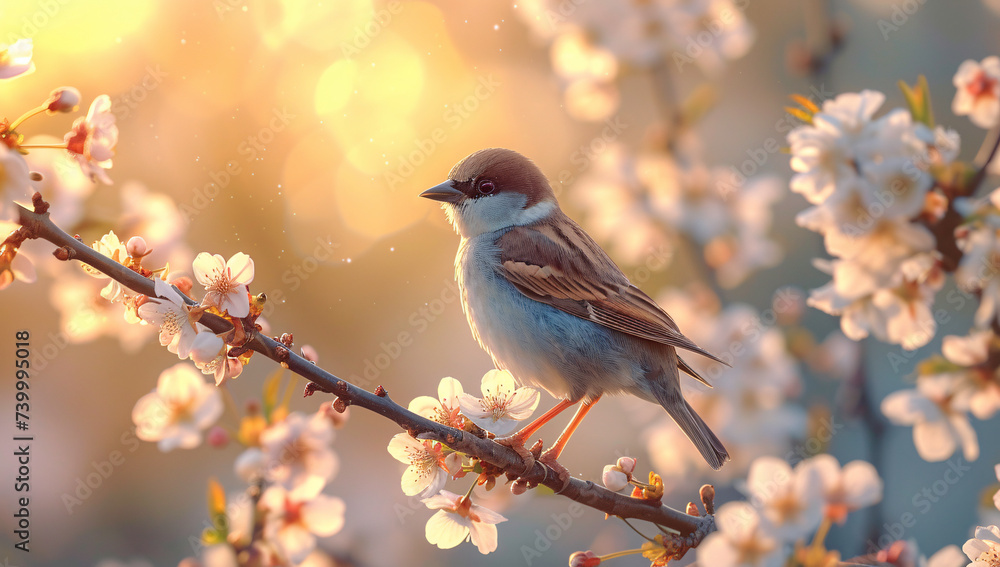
<point x="589" y="286"/>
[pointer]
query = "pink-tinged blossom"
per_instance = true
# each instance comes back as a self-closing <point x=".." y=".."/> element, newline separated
<point x="110" y="246"/>
<point x="15" y="59"/>
<point x="427" y="471"/>
<point x="978" y="91"/>
<point x="93" y="138"/>
<point x="979" y="269"/>
<point x="855" y="486"/>
<point x="225" y="281"/>
<point x="172" y="315"/>
<point x="984" y="549"/>
<point x="293" y="523"/>
<point x="458" y="519"/>
<point x="175" y="414"/>
<point x="937" y="414"/>
<point x="790" y="501"/>
<point x="297" y="453"/>
<point x="742" y="540"/>
<point x="445" y="409"/>
<point x="503" y="404"/>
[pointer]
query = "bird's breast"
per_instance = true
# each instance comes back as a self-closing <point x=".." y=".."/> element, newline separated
<point x="540" y="345"/>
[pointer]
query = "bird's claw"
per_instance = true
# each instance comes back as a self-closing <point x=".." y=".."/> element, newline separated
<point x="517" y="444"/>
<point x="548" y="458"/>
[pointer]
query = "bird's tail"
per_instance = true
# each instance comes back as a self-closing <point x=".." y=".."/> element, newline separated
<point x="693" y="426"/>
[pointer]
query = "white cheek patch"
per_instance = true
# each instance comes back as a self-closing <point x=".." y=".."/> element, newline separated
<point x="488" y="214"/>
<point x="534" y="213"/>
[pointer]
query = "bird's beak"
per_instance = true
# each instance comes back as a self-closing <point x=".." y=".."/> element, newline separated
<point x="444" y="192"/>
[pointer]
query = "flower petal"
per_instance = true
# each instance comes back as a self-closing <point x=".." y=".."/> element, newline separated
<point x="484" y="537"/>
<point x="967" y="351"/>
<point x="240" y="268"/>
<point x="907" y="407"/>
<point x="862" y="485"/>
<point x="523" y="403"/>
<point x="206" y="266"/>
<point x="402" y="446"/>
<point x="449" y="390"/>
<point x="498" y="382"/>
<point x="324" y="515"/>
<point x="935" y="440"/>
<point x="425" y="406"/>
<point x="472" y="407"/>
<point x="444" y="530"/>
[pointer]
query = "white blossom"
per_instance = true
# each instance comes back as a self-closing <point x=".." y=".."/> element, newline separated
<point x="503" y="404"/>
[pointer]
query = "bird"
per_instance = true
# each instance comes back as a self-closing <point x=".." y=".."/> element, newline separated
<point x="548" y="304"/>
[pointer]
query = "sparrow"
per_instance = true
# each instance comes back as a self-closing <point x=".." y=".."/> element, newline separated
<point x="550" y="306"/>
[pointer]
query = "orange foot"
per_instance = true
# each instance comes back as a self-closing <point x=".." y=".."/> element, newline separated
<point x="549" y="458"/>
<point x="516" y="442"/>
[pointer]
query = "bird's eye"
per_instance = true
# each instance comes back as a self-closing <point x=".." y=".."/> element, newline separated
<point x="485" y="186"/>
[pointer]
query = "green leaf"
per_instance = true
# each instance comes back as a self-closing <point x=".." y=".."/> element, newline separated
<point x="918" y="99"/>
<point x="937" y="364"/>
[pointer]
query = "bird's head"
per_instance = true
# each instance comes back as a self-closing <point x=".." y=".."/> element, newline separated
<point x="493" y="189"/>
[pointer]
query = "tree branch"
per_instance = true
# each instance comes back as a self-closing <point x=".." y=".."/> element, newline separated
<point x="37" y="224"/>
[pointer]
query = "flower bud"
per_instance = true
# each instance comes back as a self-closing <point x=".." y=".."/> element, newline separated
<point x="136" y="247"/>
<point x="63" y="99"/>
<point x="217" y="437"/>
<point x="518" y="487"/>
<point x="707" y="495"/>
<point x="614" y="479"/>
<point x="584" y="559"/>
<point x="206" y="347"/>
<point x="627" y="465"/>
